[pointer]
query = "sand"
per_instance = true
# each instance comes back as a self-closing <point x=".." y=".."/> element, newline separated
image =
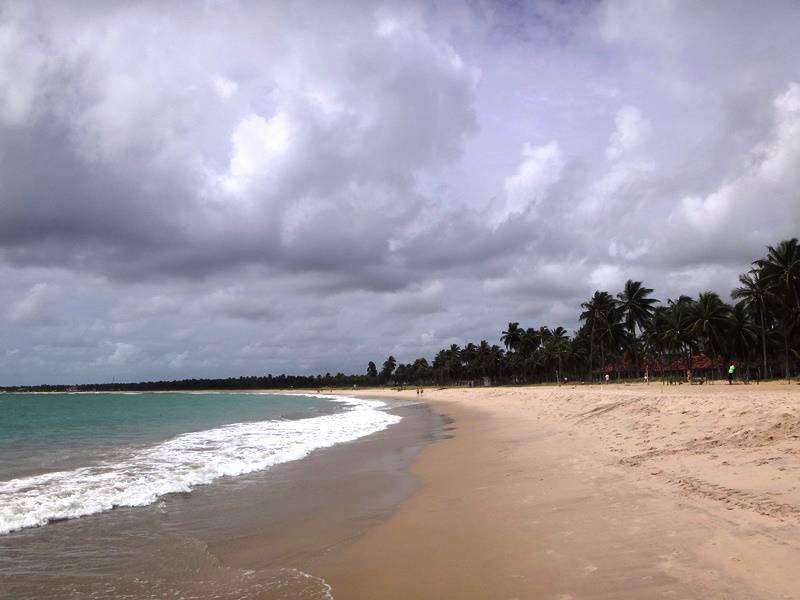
<point x="615" y="491"/>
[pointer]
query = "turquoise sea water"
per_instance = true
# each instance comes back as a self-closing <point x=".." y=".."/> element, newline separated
<point x="64" y="456"/>
<point x="45" y="432"/>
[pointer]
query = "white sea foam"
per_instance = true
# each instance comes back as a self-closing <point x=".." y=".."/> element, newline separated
<point x="181" y="463"/>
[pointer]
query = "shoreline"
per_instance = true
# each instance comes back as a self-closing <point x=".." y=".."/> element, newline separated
<point x="256" y="535"/>
<point x="617" y="491"/>
<point x="328" y="498"/>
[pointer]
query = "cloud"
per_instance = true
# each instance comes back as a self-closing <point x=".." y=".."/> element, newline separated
<point x="241" y="304"/>
<point x="631" y="131"/>
<point x="38" y="307"/>
<point x="122" y="355"/>
<point x="540" y="168"/>
<point x="255" y="187"/>
<point x="341" y="130"/>
<point x="420" y="300"/>
<point x="770" y="178"/>
<point x="258" y="145"/>
<point x="607" y="277"/>
<point x="225" y="88"/>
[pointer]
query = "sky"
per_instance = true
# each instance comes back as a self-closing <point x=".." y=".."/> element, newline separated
<point x="224" y="187"/>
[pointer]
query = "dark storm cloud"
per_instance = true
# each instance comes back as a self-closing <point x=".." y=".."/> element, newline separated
<point x="297" y="151"/>
<point x="208" y="189"/>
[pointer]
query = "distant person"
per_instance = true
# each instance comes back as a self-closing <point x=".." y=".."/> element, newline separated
<point x="731" y="369"/>
<point x="607" y="378"/>
<point x="647" y="375"/>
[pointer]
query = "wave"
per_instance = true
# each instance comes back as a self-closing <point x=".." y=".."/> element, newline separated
<point x="181" y="463"/>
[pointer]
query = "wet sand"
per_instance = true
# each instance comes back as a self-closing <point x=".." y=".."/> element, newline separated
<point x="308" y="509"/>
<point x="619" y="491"/>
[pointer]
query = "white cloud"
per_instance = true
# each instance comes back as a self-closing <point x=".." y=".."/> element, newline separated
<point x="632" y="130"/>
<point x="607" y="277"/>
<point x="224" y="88"/>
<point x="258" y="146"/>
<point x="123" y="354"/>
<point x="772" y="178"/>
<point x="22" y="67"/>
<point x="38" y="307"/>
<point x="540" y="168"/>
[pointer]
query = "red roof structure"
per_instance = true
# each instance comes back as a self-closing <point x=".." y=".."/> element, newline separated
<point x="699" y="362"/>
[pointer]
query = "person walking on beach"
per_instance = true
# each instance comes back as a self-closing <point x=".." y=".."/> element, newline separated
<point x="731" y="369"/>
<point x="647" y="375"/>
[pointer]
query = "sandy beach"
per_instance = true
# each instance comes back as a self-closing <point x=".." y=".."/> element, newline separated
<point x="620" y="491"/>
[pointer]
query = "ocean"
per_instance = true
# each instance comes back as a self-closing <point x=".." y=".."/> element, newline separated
<point x="96" y="489"/>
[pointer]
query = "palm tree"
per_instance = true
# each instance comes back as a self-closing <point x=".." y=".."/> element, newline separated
<point x="468" y="356"/>
<point x="484" y="358"/>
<point x="512" y="336"/>
<point x="755" y="293"/>
<point x="388" y="368"/>
<point x="709" y="319"/>
<point x="557" y="342"/>
<point x="781" y="273"/>
<point x="613" y="337"/>
<point x="454" y="362"/>
<point x="530" y="341"/>
<point x="636" y="305"/>
<point x="440" y="365"/>
<point x="595" y="313"/>
<point x="670" y="331"/>
<point x="637" y="309"/>
<point x="742" y="334"/>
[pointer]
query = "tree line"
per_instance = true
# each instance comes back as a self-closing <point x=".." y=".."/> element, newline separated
<point x="623" y="335"/>
<point x="631" y="332"/>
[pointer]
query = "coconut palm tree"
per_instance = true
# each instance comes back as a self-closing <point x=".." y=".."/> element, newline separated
<point x="388" y="368"/>
<point x="781" y="273"/>
<point x="468" y="356"/>
<point x="673" y="328"/>
<point x="557" y="343"/>
<point x="596" y="312"/>
<point x="497" y="355"/>
<point x="709" y="319"/>
<point x="440" y="365"/>
<point x="742" y="333"/>
<point x="755" y="293"/>
<point x="454" y="362"/>
<point x="613" y="337"/>
<point x="484" y="358"/>
<point x="636" y="305"/>
<point x="637" y="308"/>
<point x="512" y="336"/>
